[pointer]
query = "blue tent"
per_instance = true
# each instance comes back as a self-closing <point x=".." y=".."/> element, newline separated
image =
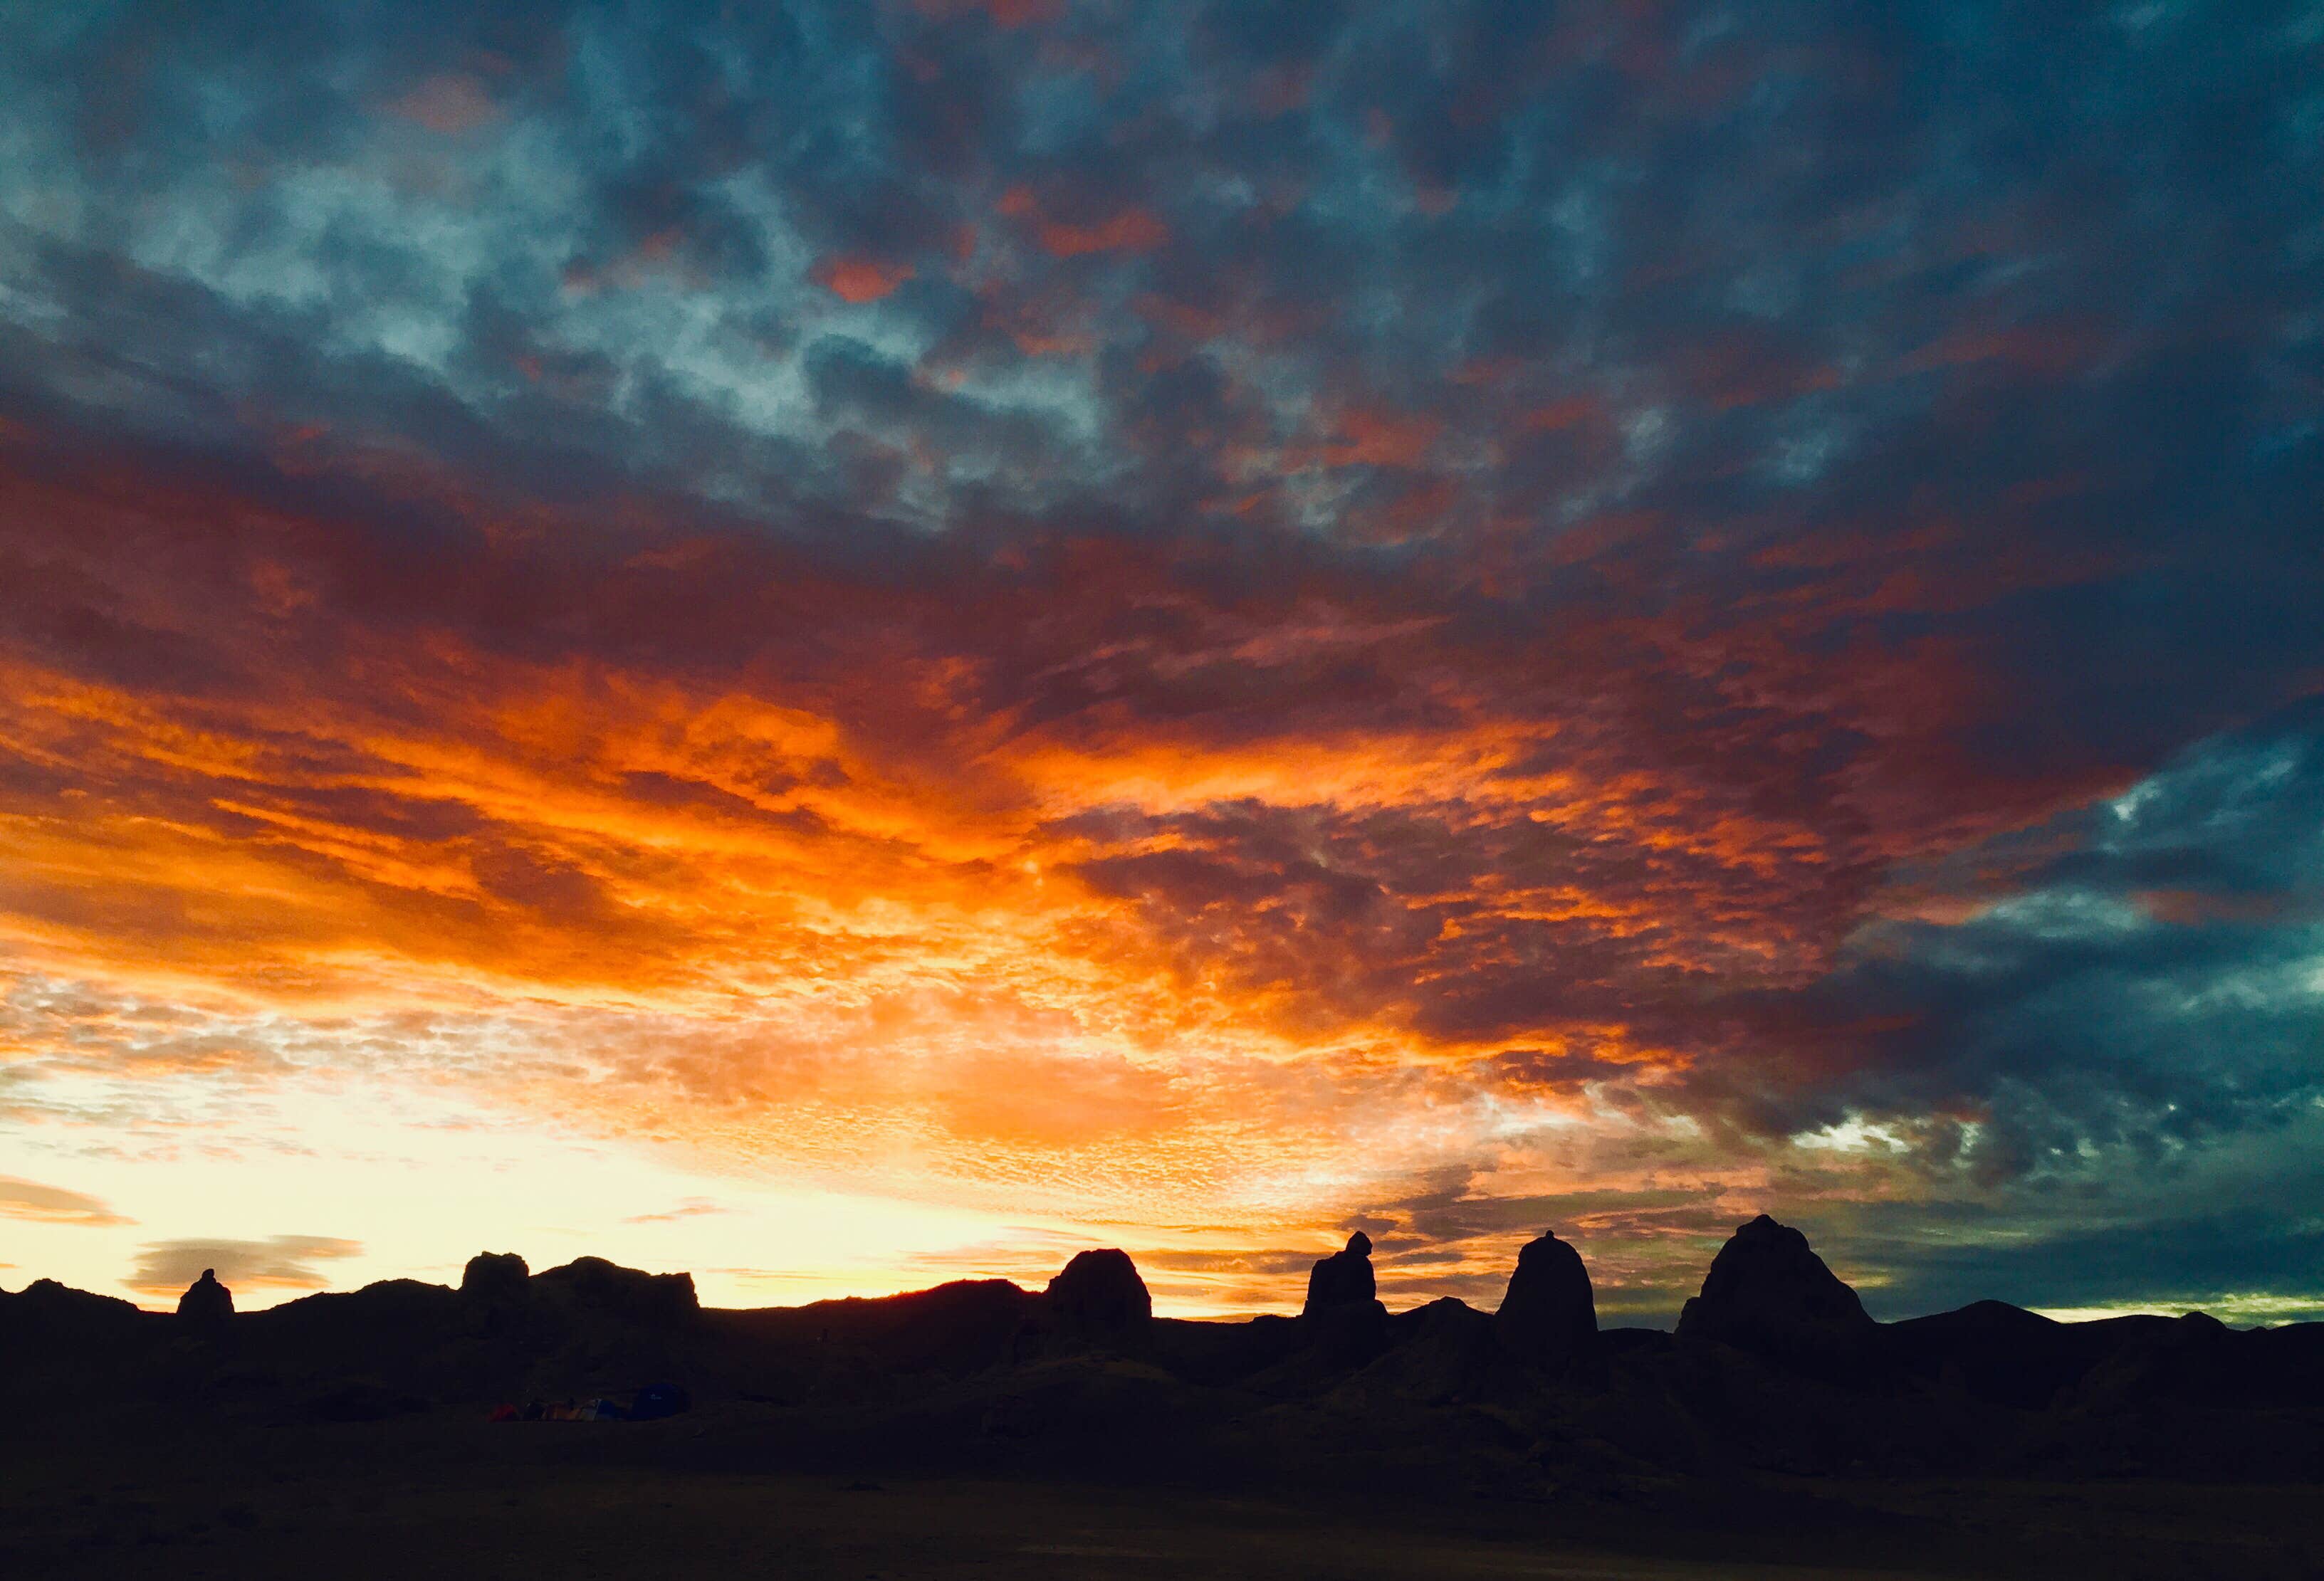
<point x="660" y="1400"/>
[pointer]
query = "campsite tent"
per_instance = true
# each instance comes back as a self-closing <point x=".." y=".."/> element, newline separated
<point x="655" y="1401"/>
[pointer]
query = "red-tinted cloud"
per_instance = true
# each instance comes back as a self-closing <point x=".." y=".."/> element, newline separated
<point x="1133" y="230"/>
<point x="861" y="279"/>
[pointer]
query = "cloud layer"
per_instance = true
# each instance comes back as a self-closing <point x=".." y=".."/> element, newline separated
<point x="279" y="1262"/>
<point x="30" y="1200"/>
<point x="1443" y="617"/>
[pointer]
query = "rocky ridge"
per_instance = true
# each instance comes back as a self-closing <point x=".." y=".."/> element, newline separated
<point x="1775" y="1365"/>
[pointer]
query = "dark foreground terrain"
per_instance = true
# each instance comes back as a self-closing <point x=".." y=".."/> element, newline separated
<point x="979" y="1429"/>
<point x="442" y="1494"/>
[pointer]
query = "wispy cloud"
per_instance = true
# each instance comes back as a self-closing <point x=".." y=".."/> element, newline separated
<point x="30" y="1200"/>
<point x="692" y="1207"/>
<point x="165" y="1268"/>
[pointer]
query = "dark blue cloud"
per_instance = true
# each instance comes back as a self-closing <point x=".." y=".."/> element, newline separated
<point x="2148" y="974"/>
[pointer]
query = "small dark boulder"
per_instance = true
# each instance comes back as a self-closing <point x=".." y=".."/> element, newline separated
<point x="1099" y="1295"/>
<point x="1549" y="1315"/>
<point x="207" y="1305"/>
<point x="1344" y="1279"/>
<point x="1767" y="1292"/>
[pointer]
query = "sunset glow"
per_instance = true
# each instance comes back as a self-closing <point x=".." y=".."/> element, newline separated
<point x="1098" y="631"/>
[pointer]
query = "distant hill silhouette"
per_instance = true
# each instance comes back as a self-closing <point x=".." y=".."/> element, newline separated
<point x="1775" y="1365"/>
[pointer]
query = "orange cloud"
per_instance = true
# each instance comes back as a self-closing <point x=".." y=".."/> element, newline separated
<point x="1566" y="412"/>
<point x="1099" y="877"/>
<point x="166" y="1268"/>
<point x="861" y="279"/>
<point x="2045" y="350"/>
<point x="1133" y="230"/>
<point x="1371" y="437"/>
<point x="44" y="1204"/>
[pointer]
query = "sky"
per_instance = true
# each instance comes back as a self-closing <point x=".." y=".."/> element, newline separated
<point x="846" y="645"/>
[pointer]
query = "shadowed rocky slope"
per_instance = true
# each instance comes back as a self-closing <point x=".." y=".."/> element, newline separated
<point x="1773" y="1366"/>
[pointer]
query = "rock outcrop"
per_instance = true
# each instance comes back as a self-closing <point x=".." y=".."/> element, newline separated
<point x="1343" y="1313"/>
<point x="983" y="1377"/>
<point x="627" y="1294"/>
<point x="207" y="1305"/>
<point x="1344" y="1279"/>
<point x="1994" y="1352"/>
<point x="1768" y="1293"/>
<point x="1549" y="1315"/>
<point x="1439" y="1354"/>
<point x="1100" y="1296"/>
<point x="53" y="1338"/>
<point x="497" y="1277"/>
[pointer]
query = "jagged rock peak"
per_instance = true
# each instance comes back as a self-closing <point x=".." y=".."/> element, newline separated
<point x="1099" y="1291"/>
<point x="207" y="1303"/>
<point x="1768" y="1291"/>
<point x="1344" y="1279"/>
<point x="495" y="1276"/>
<point x="1549" y="1314"/>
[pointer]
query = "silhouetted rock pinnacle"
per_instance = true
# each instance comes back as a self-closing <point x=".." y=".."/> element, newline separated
<point x="1344" y="1279"/>
<point x="1100" y="1293"/>
<point x="1549" y="1315"/>
<point x="1769" y="1293"/>
<point x="206" y="1305"/>
<point x="1343" y="1311"/>
<point x="983" y="1377"/>
<point x="495" y="1276"/>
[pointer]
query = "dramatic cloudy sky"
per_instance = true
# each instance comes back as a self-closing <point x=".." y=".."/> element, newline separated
<point x="840" y="645"/>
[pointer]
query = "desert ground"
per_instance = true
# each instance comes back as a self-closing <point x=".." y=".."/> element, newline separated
<point x="445" y="1494"/>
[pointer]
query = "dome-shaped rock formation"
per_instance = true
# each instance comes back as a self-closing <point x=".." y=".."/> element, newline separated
<point x="628" y="1295"/>
<point x="1767" y="1292"/>
<point x="1100" y="1293"/>
<point x="1439" y="1353"/>
<point x="1344" y="1279"/>
<point x="1549" y="1315"/>
<point x="206" y="1305"/>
